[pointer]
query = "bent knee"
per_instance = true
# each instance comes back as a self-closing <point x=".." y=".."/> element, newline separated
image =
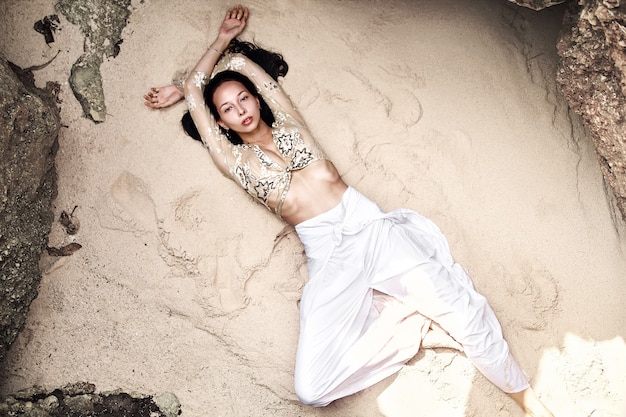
<point x="309" y="394"/>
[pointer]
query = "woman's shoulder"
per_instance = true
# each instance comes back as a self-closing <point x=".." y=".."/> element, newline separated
<point x="293" y="128"/>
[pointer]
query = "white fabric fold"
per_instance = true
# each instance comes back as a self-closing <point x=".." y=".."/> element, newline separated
<point x="376" y="280"/>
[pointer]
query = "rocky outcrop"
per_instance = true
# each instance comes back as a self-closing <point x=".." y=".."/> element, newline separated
<point x="81" y="399"/>
<point x="592" y="75"/>
<point x="29" y="129"/>
<point x="28" y="144"/>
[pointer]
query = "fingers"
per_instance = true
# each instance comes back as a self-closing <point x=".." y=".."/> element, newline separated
<point x="152" y="99"/>
<point x="237" y="12"/>
<point x="161" y="97"/>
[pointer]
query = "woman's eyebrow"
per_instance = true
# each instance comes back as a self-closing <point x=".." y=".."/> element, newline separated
<point x="226" y="102"/>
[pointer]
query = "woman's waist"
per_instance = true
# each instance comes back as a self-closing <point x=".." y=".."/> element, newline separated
<point x="353" y="212"/>
<point x="311" y="192"/>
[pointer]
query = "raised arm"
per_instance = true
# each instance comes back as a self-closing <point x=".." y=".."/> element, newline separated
<point x="233" y="24"/>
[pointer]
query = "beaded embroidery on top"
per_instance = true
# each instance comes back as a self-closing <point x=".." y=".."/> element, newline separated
<point x="257" y="173"/>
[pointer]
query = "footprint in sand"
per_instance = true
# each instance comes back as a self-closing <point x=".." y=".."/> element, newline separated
<point x="532" y="290"/>
<point x="183" y="241"/>
<point x="193" y="245"/>
<point x="401" y="105"/>
<point x="406" y="107"/>
<point x="187" y="213"/>
<point x="130" y="206"/>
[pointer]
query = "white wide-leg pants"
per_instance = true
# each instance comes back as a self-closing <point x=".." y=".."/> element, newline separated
<point x="375" y="281"/>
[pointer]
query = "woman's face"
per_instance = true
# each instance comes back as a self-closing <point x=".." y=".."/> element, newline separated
<point x="238" y="109"/>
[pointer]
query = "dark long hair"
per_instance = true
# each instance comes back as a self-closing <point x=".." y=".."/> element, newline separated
<point x="273" y="64"/>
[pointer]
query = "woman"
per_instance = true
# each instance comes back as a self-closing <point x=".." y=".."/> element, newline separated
<point x="373" y="277"/>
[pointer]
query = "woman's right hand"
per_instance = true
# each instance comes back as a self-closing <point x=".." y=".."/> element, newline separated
<point x="158" y="98"/>
<point x="234" y="22"/>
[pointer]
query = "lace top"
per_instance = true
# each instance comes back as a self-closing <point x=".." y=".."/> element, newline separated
<point x="262" y="177"/>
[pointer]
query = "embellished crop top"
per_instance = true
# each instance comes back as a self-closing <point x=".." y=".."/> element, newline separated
<point x="257" y="173"/>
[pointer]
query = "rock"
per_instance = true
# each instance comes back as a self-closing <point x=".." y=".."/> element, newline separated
<point x="78" y="388"/>
<point x="81" y="405"/>
<point x="81" y="399"/>
<point x="592" y="76"/>
<point x="168" y="404"/>
<point x="102" y="22"/>
<point x="86" y="83"/>
<point x="28" y="145"/>
<point x="537" y="4"/>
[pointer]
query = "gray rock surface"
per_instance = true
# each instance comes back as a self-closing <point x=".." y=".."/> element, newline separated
<point x="28" y="144"/>
<point x="101" y="22"/>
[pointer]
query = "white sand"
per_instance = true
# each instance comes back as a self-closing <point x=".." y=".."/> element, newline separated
<point x="446" y="107"/>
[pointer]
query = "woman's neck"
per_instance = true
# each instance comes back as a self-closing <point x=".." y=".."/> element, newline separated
<point x="260" y="136"/>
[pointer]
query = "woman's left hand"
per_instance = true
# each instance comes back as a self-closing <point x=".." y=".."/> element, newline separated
<point x="234" y="22"/>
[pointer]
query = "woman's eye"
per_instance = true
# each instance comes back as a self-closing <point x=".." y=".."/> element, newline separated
<point x="227" y="109"/>
<point x="244" y="98"/>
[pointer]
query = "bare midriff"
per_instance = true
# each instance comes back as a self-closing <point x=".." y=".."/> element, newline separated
<point x="313" y="191"/>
